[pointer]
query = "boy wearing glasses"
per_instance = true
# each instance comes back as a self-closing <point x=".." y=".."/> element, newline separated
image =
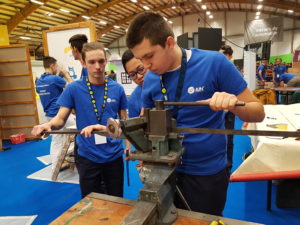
<point x="176" y="74"/>
<point x="136" y="71"/>
<point x="94" y="99"/>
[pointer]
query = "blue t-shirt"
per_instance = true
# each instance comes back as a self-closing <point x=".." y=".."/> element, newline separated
<point x="76" y="96"/>
<point x="50" y="87"/>
<point x="135" y="102"/>
<point x="261" y="68"/>
<point x="278" y="70"/>
<point x="207" y="72"/>
<point x="286" y="77"/>
<point x="84" y="73"/>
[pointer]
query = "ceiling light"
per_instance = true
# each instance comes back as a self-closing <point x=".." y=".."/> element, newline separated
<point x="106" y="49"/>
<point x="135" y="1"/>
<point x="170" y="22"/>
<point x="102" y="22"/>
<point x="290" y="11"/>
<point x="25" y="38"/>
<point x="260" y="0"/>
<point x="165" y="19"/>
<point x="257" y="13"/>
<point x="64" y="10"/>
<point x="37" y="2"/>
<point x="210" y="16"/>
<point x="207" y="12"/>
<point x="174" y="7"/>
<point x="146" y="7"/>
<point x="199" y="0"/>
<point x="257" y="17"/>
<point x="259" y="6"/>
<point x="204" y="7"/>
<point x="103" y="35"/>
<point x="49" y="14"/>
<point x="117" y="27"/>
<point x="126" y="29"/>
<point x="86" y="17"/>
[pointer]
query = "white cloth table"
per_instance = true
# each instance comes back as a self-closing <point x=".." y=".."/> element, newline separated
<point x="273" y="158"/>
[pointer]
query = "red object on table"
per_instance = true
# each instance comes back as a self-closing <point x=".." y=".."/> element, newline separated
<point x="17" y="138"/>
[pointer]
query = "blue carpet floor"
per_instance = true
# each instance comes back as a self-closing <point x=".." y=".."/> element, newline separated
<point x="20" y="196"/>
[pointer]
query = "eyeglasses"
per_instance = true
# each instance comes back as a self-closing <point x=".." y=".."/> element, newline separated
<point x="133" y="75"/>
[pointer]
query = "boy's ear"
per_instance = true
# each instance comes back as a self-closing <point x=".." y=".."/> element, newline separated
<point x="170" y="42"/>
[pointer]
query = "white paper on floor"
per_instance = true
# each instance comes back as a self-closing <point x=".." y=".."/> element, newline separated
<point x="46" y="159"/>
<point x="66" y="176"/>
<point x="17" y="220"/>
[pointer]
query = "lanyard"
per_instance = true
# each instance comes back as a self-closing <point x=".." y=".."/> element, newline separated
<point x="93" y="100"/>
<point x="179" y="84"/>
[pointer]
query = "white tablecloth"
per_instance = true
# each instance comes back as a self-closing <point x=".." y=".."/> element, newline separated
<point x="273" y="154"/>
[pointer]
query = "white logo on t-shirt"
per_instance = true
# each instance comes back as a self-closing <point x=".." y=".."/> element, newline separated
<point x="111" y="100"/>
<point x="192" y="90"/>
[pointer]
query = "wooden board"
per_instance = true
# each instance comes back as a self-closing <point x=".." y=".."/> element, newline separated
<point x="94" y="211"/>
<point x="103" y="209"/>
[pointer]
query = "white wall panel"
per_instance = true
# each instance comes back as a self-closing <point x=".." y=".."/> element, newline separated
<point x="282" y="47"/>
<point x="235" y="23"/>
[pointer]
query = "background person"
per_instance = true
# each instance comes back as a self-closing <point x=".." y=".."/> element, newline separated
<point x="49" y="87"/>
<point x="136" y="71"/>
<point x="77" y="41"/>
<point x="279" y="69"/>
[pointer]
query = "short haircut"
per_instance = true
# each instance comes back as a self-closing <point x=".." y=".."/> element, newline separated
<point x="78" y="40"/>
<point x="148" y="25"/>
<point x="90" y="47"/>
<point x="227" y="50"/>
<point x="48" y="61"/>
<point x="279" y="59"/>
<point x="127" y="56"/>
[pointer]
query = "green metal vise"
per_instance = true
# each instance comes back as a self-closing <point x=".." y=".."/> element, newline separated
<point x="160" y="150"/>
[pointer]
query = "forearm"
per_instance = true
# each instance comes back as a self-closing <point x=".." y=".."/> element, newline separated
<point x="251" y="112"/>
<point x="56" y="123"/>
<point x="260" y="75"/>
<point x="67" y="76"/>
<point x="281" y="84"/>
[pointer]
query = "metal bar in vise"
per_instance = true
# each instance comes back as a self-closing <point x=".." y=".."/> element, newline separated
<point x="72" y="131"/>
<point x="203" y="131"/>
<point x="239" y="103"/>
<point x="238" y="132"/>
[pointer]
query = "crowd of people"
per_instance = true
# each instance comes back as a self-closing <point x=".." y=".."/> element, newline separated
<point x="277" y="74"/>
<point x="162" y="71"/>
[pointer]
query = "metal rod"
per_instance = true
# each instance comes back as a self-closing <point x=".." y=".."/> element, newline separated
<point x="203" y="131"/>
<point x="73" y="131"/>
<point x="239" y="103"/>
<point x="182" y="198"/>
<point x="238" y="132"/>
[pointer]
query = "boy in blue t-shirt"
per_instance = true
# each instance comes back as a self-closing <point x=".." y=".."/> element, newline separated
<point x="49" y="87"/>
<point x="210" y="77"/>
<point x="95" y="100"/>
<point x="291" y="80"/>
<point x="136" y="72"/>
<point x="261" y="72"/>
<point x="77" y="41"/>
<point x="279" y="69"/>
